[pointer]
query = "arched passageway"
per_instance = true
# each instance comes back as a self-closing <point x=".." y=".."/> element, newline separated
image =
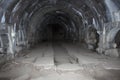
<point x="59" y="39"/>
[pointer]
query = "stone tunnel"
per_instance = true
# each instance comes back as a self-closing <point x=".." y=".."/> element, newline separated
<point x="59" y="39"/>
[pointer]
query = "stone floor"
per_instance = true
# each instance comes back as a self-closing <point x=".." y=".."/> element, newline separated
<point x="61" y="61"/>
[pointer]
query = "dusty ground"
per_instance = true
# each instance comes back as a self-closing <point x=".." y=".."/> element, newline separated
<point x="61" y="61"/>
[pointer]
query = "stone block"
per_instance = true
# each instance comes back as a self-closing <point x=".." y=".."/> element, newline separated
<point x="112" y="52"/>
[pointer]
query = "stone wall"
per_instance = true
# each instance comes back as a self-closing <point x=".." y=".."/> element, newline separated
<point x="108" y="44"/>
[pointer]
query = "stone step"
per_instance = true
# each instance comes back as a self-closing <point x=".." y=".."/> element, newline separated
<point x="45" y="60"/>
<point x="40" y="57"/>
<point x="69" y="67"/>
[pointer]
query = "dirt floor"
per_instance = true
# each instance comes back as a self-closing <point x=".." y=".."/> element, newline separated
<point x="61" y="61"/>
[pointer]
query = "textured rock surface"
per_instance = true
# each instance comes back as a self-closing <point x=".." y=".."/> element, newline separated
<point x="80" y="64"/>
<point x="25" y="23"/>
<point x="112" y="53"/>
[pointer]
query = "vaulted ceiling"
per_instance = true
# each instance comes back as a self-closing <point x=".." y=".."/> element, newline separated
<point x="18" y="10"/>
<point x="34" y="15"/>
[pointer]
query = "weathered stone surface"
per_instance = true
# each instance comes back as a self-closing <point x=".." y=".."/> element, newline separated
<point x="24" y="77"/>
<point x="112" y="52"/>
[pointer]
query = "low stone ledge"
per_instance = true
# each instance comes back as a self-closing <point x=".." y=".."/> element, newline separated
<point x="112" y="53"/>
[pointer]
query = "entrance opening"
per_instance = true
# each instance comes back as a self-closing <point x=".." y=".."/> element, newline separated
<point x="54" y="32"/>
<point x="57" y="27"/>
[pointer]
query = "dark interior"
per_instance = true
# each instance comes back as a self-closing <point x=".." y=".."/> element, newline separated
<point x="59" y="39"/>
